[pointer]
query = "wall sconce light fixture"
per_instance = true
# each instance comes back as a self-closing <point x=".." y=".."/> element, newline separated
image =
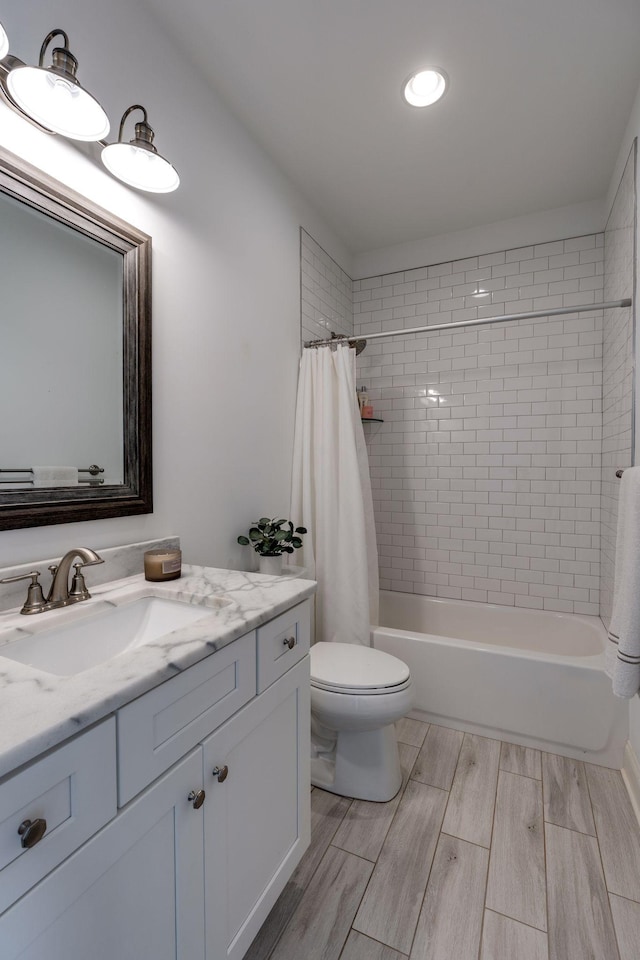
<point x="54" y="98"/>
<point x="4" y="43"/>
<point x="138" y="162"/>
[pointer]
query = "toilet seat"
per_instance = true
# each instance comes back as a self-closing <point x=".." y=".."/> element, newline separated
<point x="347" y="668"/>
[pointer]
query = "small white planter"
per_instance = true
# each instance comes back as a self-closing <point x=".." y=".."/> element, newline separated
<point x="271" y="565"/>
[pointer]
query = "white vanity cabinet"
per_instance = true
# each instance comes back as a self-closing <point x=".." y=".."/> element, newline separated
<point x="176" y="875"/>
<point x="133" y="892"/>
<point x="256" y="814"/>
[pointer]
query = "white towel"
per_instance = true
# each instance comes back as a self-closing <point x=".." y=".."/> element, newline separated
<point x="623" y="648"/>
<point x="55" y="476"/>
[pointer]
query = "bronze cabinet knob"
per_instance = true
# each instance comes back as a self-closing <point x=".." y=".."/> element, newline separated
<point x="289" y="642"/>
<point x="32" y="832"/>
<point x="197" y="798"/>
<point x="221" y="773"/>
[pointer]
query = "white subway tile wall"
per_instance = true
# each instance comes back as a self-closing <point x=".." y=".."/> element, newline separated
<point x="326" y="296"/>
<point x="486" y="471"/>
<point x="617" y="391"/>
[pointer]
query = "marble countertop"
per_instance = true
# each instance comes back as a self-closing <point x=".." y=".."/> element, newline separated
<point x="39" y="710"/>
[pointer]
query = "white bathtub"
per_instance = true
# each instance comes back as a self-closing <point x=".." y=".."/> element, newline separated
<point x="526" y="676"/>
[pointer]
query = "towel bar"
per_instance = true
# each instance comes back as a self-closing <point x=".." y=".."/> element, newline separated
<point x="92" y="481"/>
<point x="94" y="470"/>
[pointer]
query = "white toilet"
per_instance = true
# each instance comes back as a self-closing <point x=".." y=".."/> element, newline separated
<point x="357" y="693"/>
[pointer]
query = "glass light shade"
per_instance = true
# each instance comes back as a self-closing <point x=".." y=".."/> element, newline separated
<point x="58" y="104"/>
<point x="424" y="88"/>
<point x="140" y="168"/>
<point x="4" y="43"/>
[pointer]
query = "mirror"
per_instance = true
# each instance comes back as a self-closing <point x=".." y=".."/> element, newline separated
<point x="75" y="364"/>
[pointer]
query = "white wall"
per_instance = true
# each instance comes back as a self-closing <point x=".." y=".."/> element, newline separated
<point x="632" y="131"/>
<point x="571" y="221"/>
<point x="226" y="286"/>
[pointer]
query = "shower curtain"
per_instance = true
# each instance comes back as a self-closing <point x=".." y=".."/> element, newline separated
<point x="331" y="496"/>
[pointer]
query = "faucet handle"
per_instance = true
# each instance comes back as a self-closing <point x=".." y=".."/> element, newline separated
<point x="35" y="602"/>
<point x="78" y="589"/>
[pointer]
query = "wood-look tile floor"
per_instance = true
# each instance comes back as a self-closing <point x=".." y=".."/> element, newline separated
<point x="489" y="852"/>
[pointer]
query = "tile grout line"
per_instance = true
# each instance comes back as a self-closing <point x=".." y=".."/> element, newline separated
<point x="401" y="792"/>
<point x="486" y="885"/>
<point x="473" y="843"/>
<point x="539" y="779"/>
<point x="404" y="956"/>
<point x="613" y="923"/>
<point x="362" y="896"/>
<point x="453" y="779"/>
<point x="282" y="932"/>
<point x="454" y="772"/>
<point x="523" y="923"/>
<point x="572" y="829"/>
<point x="621" y="896"/>
<point x="546" y="864"/>
<point x="435" y="850"/>
<point x="493" y="824"/>
<point x="440" y="833"/>
<point x="428" y="726"/>
<point x="525" y="775"/>
<point x="604" y="875"/>
<point x="371" y="874"/>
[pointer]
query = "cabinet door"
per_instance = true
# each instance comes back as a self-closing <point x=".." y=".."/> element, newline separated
<point x="257" y="818"/>
<point x="134" y="891"/>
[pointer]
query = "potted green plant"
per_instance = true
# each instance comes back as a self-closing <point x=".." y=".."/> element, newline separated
<point x="270" y="539"/>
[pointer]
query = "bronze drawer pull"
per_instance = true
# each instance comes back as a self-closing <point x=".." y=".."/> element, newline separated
<point x="197" y="798"/>
<point x="289" y="642"/>
<point x="32" y="832"/>
<point x="221" y="773"/>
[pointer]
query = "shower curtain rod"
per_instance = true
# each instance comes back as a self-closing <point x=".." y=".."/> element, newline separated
<point x="531" y="315"/>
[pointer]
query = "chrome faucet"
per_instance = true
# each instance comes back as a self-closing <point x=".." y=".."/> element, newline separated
<point x="59" y="593"/>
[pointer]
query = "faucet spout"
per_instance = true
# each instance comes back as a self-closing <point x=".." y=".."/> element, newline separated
<point x="59" y="591"/>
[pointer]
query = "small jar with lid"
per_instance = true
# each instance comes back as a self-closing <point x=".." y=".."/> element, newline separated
<point x="162" y="564"/>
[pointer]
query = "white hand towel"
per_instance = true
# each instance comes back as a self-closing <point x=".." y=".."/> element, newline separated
<point x="55" y="476"/>
<point x="623" y="647"/>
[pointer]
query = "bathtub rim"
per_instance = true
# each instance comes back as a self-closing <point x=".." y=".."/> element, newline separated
<point x="592" y="660"/>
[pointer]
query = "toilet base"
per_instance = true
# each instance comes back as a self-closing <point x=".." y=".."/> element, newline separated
<point x="361" y="764"/>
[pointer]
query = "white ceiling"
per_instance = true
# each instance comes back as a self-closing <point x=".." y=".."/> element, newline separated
<point x="540" y="93"/>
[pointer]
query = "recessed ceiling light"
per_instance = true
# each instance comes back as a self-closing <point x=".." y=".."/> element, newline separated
<point x="424" y="88"/>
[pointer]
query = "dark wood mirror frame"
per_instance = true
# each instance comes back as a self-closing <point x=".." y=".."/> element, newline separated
<point x="37" y="507"/>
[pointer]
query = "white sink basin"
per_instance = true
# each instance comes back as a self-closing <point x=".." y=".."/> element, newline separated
<point x="74" y="647"/>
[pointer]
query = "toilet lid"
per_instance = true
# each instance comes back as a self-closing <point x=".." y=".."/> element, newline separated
<point x="350" y="666"/>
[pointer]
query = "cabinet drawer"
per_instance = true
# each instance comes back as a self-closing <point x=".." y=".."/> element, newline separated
<point x="73" y="789"/>
<point x="161" y="726"/>
<point x="282" y="643"/>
